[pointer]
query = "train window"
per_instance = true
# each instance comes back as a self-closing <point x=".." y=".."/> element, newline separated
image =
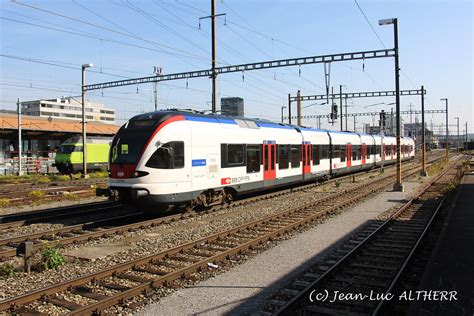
<point x="354" y="152"/>
<point x="359" y="152"/>
<point x="272" y="157"/>
<point x="283" y="156"/>
<point x="265" y="157"/>
<point x="335" y="151"/>
<point x="343" y="152"/>
<point x="235" y="154"/>
<point x="316" y="154"/>
<point x="367" y="151"/>
<point x="168" y="156"/>
<point x="295" y="156"/>
<point x="253" y="158"/>
<point x="324" y="151"/>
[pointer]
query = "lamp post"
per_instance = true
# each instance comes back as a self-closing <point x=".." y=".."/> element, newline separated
<point x="282" y="108"/>
<point x="20" y="171"/>
<point x="447" y="131"/>
<point x="398" y="186"/>
<point x="84" y="133"/>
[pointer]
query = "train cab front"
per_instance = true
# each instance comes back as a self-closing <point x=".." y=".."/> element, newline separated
<point x="133" y="148"/>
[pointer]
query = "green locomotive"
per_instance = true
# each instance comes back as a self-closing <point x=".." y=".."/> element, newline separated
<point x="69" y="155"/>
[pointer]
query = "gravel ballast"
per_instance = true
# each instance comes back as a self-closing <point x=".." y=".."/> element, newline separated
<point x="243" y="289"/>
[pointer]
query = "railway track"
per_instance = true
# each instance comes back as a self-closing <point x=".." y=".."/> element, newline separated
<point x="368" y="265"/>
<point x="124" y="222"/>
<point x="162" y="268"/>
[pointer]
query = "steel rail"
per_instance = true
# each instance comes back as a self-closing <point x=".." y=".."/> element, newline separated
<point x="291" y="306"/>
<point x="20" y="219"/>
<point x="301" y="216"/>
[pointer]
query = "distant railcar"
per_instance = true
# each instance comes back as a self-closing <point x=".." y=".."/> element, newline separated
<point x="186" y="158"/>
<point x="69" y="155"/>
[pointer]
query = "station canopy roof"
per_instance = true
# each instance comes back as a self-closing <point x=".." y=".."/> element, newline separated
<point x="9" y="121"/>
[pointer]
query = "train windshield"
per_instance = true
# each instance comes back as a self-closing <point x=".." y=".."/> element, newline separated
<point x="130" y="140"/>
<point x="66" y="149"/>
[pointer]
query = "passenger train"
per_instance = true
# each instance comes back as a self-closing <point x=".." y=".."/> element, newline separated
<point x="184" y="158"/>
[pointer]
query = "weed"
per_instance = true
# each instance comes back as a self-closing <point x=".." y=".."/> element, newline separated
<point x="4" y="202"/>
<point x="338" y="183"/>
<point x="7" y="270"/>
<point x="52" y="258"/>
<point x="36" y="194"/>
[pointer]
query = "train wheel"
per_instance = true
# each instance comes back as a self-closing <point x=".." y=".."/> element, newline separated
<point x="229" y="196"/>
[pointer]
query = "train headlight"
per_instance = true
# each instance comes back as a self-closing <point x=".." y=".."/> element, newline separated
<point x="138" y="174"/>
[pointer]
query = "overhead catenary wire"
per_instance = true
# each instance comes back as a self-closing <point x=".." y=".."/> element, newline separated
<point x="127" y="34"/>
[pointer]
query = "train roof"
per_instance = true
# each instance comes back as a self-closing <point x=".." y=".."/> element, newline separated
<point x="192" y="115"/>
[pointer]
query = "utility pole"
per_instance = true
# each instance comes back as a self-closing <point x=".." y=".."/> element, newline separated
<point x="457" y="139"/>
<point x="423" y="172"/>
<point x="298" y="108"/>
<point x="20" y="172"/>
<point x="447" y="131"/>
<point x="282" y="108"/>
<point x="340" y="103"/>
<point x="289" y="108"/>
<point x="346" y="112"/>
<point x="465" y="146"/>
<point x="391" y="121"/>
<point x="354" y="123"/>
<point x="214" y="74"/>
<point x="84" y="132"/>
<point x="214" y="59"/>
<point x="157" y="72"/>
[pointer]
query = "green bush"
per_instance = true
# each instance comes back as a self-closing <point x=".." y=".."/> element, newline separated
<point x="338" y="183"/>
<point x="7" y="270"/>
<point x="52" y="258"/>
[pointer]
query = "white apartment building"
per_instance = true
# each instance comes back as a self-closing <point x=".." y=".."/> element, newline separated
<point x="69" y="108"/>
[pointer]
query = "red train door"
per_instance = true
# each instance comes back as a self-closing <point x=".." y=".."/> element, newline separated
<point x="391" y="151"/>
<point x="269" y="161"/>
<point x="348" y="155"/>
<point x="306" y="158"/>
<point x="364" y="153"/>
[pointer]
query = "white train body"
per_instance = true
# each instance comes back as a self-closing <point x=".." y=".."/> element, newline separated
<point x="178" y="157"/>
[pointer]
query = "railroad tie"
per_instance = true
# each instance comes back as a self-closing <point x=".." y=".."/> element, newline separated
<point x="62" y="303"/>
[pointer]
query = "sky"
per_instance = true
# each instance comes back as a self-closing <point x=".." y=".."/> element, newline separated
<point x="44" y="43"/>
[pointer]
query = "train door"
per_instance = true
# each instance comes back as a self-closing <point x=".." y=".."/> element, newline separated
<point x="269" y="161"/>
<point x="306" y="159"/>
<point x="364" y="153"/>
<point x="383" y="151"/>
<point x="348" y="155"/>
<point x="391" y="151"/>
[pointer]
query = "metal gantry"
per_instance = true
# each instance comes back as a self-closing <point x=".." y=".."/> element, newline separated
<point x="367" y="114"/>
<point x="354" y="95"/>
<point x="383" y="53"/>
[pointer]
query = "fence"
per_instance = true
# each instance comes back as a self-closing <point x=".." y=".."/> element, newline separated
<point x="29" y="166"/>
